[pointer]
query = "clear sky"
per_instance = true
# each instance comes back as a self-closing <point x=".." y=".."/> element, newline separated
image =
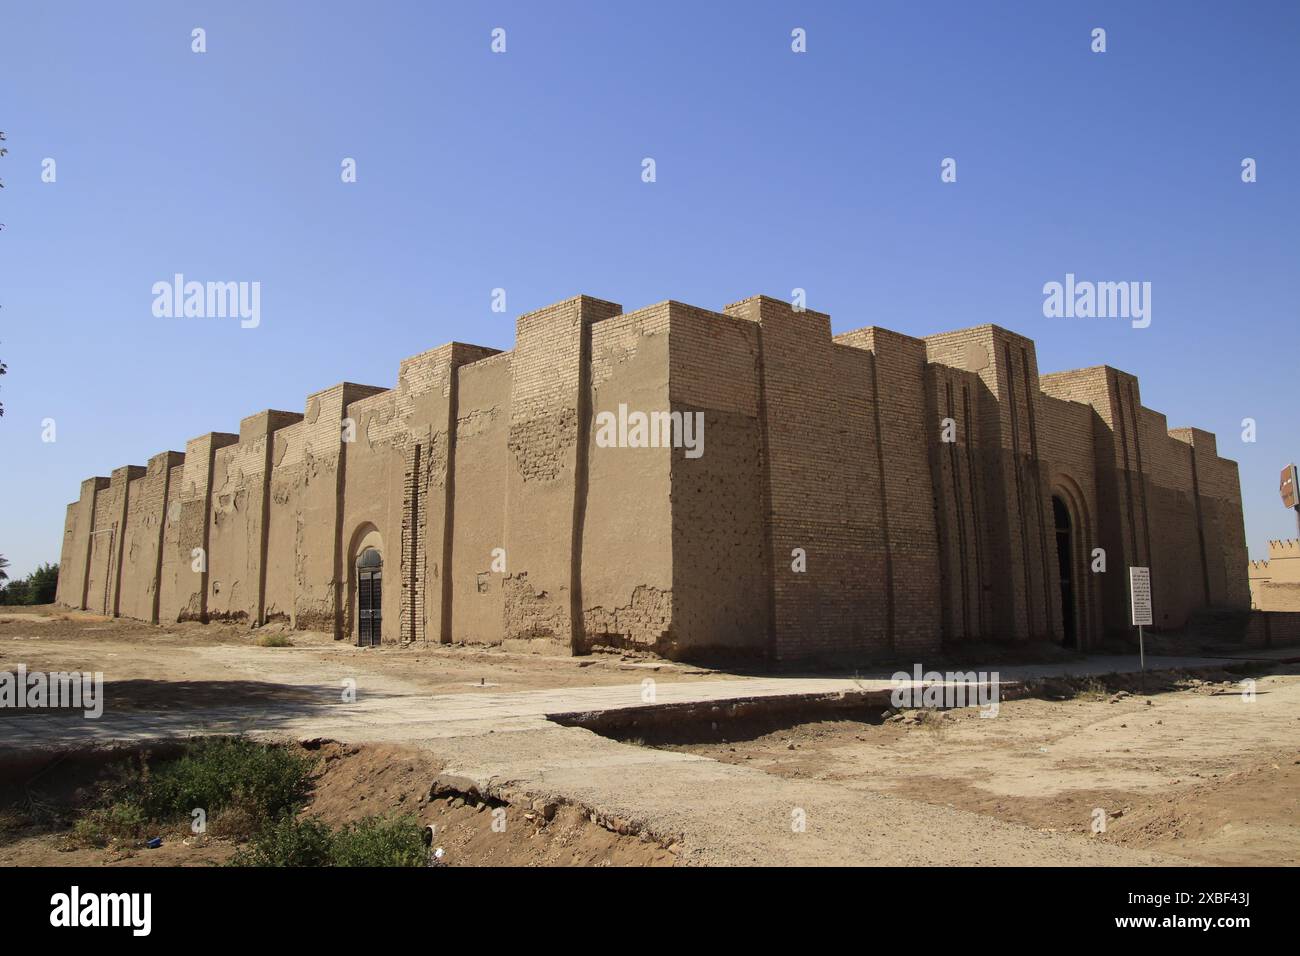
<point x="522" y="171"/>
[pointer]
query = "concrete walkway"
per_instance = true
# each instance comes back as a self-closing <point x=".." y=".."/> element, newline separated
<point x="505" y="742"/>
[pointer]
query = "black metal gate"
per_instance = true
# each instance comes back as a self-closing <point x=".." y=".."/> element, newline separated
<point x="369" y="598"/>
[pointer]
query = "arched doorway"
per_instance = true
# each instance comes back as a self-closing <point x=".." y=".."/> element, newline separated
<point x="370" y="565"/>
<point x="1065" y="564"/>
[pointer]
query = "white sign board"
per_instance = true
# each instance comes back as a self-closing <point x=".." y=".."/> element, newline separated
<point x="1139" y="589"/>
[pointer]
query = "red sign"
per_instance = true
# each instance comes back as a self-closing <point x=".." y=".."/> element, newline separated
<point x="1290" y="487"/>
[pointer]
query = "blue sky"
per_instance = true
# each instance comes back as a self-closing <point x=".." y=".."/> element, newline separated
<point x="522" y="171"/>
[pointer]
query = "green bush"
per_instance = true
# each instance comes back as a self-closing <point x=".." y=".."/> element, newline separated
<point x="248" y="790"/>
<point x="306" y="841"/>
<point x="379" y="841"/>
<point x="265" y="781"/>
<point x="243" y="786"/>
<point x="288" y="841"/>
<point x="101" y="826"/>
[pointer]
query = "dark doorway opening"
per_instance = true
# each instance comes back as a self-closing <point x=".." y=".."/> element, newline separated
<point x="1065" y="562"/>
<point x="369" y="597"/>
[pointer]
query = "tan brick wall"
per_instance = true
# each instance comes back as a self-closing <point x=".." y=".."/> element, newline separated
<point x="962" y="507"/>
<point x="832" y="445"/>
<point x="482" y="469"/>
<point x="1275" y="581"/>
<point x="305" y="581"/>
<point x="142" y="541"/>
<point x="720" y="584"/>
<point x="1068" y="446"/>
<point x="68" y="590"/>
<point x="627" y="544"/>
<point x="546" y="494"/>
<point x="76" y="566"/>
<point x="107" y="540"/>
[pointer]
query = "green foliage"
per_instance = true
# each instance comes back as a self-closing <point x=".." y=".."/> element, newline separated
<point x="288" y="841"/>
<point x="37" y="588"/>
<point x="103" y="825"/>
<point x="380" y="841"/>
<point x="306" y="841"/>
<point x="241" y="785"/>
<point x="248" y="790"/>
<point x="265" y="781"/>
<point x="42" y="583"/>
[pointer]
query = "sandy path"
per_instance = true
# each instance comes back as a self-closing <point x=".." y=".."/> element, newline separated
<point x="501" y="738"/>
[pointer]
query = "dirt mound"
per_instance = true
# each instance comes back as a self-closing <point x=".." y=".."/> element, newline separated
<point x="39" y="803"/>
<point x="1249" y="817"/>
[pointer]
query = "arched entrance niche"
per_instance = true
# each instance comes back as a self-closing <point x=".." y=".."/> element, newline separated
<point x="1072" y="529"/>
<point x="365" y="586"/>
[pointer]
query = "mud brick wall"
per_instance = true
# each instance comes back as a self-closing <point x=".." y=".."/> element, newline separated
<point x="424" y="404"/>
<point x="184" y="593"/>
<point x="1177" y="550"/>
<point x="475" y="608"/>
<point x="546" y="494"/>
<point x="864" y="630"/>
<point x="966" y="575"/>
<point x="627" y="544"/>
<point x="146" y="511"/>
<point x="1068" y="446"/>
<point x="106" y="540"/>
<point x="721" y="593"/>
<point x="66" y="592"/>
<point x="174" y="573"/>
<point x="1275" y="581"/>
<point x="305" y="582"/>
<point x="98" y="551"/>
<point x="430" y="504"/>
<point x="1116" y="530"/>
<point x="830" y="445"/>
<point x="1019" y="507"/>
<point x="74" y="567"/>
<point x="1273" y="628"/>
<point x="1165" y="499"/>
<point x="372" y="505"/>
<point x="1132" y="485"/>
<point x="1270" y="595"/>
<point x="813" y="497"/>
<point x="237" y="529"/>
<point x="1218" y="492"/>
<point x="869" y="573"/>
<point x="905" y="427"/>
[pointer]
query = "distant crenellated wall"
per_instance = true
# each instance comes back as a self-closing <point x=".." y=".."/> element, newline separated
<point x="860" y="496"/>
<point x="1275" y="581"/>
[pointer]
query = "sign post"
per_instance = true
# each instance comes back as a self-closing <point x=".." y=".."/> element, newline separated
<point x="1139" y="590"/>
<point x="1289" y="489"/>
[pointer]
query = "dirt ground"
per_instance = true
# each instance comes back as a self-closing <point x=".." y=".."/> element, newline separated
<point x="1189" y="767"/>
<point x="1194" y="771"/>
<point x="147" y="667"/>
<point x="354" y="782"/>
